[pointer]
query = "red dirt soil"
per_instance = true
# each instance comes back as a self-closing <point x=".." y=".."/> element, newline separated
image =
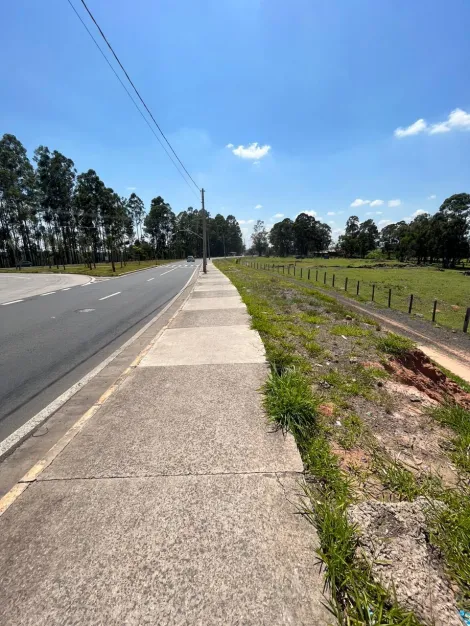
<point x="414" y="368"/>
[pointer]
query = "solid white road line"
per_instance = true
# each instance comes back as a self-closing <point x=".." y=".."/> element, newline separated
<point x="49" y="293"/>
<point x="15" y="439"/>
<point x="168" y="271"/>
<point x="12" y="302"/>
<point x="151" y="279"/>
<point x="110" y="296"/>
<point x="66" y="289"/>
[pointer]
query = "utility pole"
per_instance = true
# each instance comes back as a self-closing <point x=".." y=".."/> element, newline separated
<point x="204" y="235"/>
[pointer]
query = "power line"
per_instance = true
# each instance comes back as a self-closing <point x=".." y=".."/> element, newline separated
<point x="136" y="91"/>
<point x="130" y="96"/>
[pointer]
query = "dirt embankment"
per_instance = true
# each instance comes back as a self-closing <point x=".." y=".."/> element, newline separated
<point x="415" y="369"/>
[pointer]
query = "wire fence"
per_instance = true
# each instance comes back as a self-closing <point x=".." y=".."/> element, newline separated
<point x="399" y="298"/>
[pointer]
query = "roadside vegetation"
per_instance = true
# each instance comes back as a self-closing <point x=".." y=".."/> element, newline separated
<point x="372" y="444"/>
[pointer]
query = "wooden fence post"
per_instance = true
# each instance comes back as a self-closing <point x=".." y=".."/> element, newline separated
<point x="346" y="284"/>
<point x="301" y="273"/>
<point x="333" y="281"/>
<point x="390" y="298"/>
<point x="467" y="319"/>
<point x="357" y="288"/>
<point x="373" y="292"/>
<point x="324" y="279"/>
<point x="434" y="311"/>
<point x="410" y="306"/>
<point x="308" y="277"/>
<point x="316" y="276"/>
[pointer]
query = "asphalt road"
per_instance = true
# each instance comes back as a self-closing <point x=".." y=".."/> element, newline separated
<point x="48" y="342"/>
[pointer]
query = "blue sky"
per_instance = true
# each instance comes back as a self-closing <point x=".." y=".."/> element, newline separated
<point x="323" y="84"/>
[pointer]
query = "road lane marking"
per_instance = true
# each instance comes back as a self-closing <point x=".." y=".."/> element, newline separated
<point x="49" y="293"/>
<point x="12" y="302"/>
<point x="151" y="279"/>
<point x="168" y="271"/>
<point x="67" y="289"/>
<point x="110" y="296"/>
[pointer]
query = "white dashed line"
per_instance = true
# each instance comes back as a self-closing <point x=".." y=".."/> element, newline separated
<point x="151" y="279"/>
<point x="12" y="302"/>
<point x="49" y="293"/>
<point x="67" y="289"/>
<point x="168" y="271"/>
<point x="110" y="296"/>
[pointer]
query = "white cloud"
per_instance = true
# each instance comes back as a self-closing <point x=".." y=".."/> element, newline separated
<point x="383" y="223"/>
<point x="432" y="197"/>
<point x="246" y="221"/>
<point x="259" y="206"/>
<point x="376" y="203"/>
<point x="312" y="213"/>
<point x="458" y="119"/>
<point x="256" y="163"/>
<point x="378" y="212"/>
<point x="374" y="213"/>
<point x="131" y="188"/>
<point x="331" y="213"/>
<point x="332" y="222"/>
<point x="359" y="202"/>
<point x="418" y="212"/>
<point x="392" y="203"/>
<point x="279" y="215"/>
<point x="251" y="151"/>
<point x="414" y="129"/>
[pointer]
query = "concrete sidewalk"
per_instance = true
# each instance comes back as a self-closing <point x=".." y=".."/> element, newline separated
<point x="174" y="504"/>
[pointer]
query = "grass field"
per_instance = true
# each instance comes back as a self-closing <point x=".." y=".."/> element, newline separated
<point x="450" y="288"/>
<point x="102" y="269"/>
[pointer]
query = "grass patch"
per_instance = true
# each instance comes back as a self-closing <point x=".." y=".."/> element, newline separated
<point x="394" y="344"/>
<point x="350" y="331"/>
<point x="458" y="419"/>
<point x="456" y="379"/>
<point x="397" y="479"/>
<point x="350" y="432"/>
<point x="289" y="402"/>
<point x="450" y="531"/>
<point x="312" y="318"/>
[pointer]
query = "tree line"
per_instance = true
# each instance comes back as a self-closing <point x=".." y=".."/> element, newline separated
<point x="50" y="215"/>
<point x="443" y="236"/>
<point x="303" y="236"/>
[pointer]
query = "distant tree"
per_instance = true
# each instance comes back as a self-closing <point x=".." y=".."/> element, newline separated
<point x="260" y="238"/>
<point x="137" y="210"/>
<point x="281" y="237"/>
<point x="454" y="216"/>
<point x="367" y="237"/>
<point x="159" y="224"/>
<point x="349" y="242"/>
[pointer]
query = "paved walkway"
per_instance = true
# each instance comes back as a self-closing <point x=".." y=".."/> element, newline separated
<point x="171" y="505"/>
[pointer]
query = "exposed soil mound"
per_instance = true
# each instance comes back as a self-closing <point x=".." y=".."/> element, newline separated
<point x="414" y="368"/>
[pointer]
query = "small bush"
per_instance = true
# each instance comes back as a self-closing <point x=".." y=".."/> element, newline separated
<point x="395" y="344"/>
<point x="289" y="402"/>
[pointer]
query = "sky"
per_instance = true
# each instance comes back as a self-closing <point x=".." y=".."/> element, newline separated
<point x="332" y="107"/>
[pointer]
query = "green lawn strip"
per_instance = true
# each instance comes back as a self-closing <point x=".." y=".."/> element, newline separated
<point x="291" y="404"/>
<point x="426" y="284"/>
<point x="102" y="269"/>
